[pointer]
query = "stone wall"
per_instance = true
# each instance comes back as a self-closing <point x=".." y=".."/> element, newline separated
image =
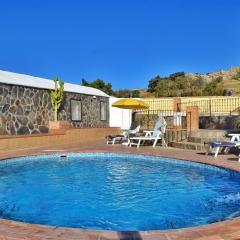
<point x="148" y="121"/>
<point x="26" y="110"/>
<point x="218" y="122"/>
<point x="90" y="110"/>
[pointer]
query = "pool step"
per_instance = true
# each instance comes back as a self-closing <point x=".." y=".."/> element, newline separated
<point x="195" y="143"/>
<point x="196" y="140"/>
<point x="207" y="133"/>
<point x="203" y="140"/>
<point x="188" y="145"/>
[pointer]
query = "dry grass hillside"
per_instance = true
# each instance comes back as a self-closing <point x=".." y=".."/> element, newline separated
<point x="145" y="94"/>
<point x="231" y="77"/>
<point x="231" y="80"/>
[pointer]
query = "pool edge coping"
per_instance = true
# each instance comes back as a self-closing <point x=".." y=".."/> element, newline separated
<point x="33" y="230"/>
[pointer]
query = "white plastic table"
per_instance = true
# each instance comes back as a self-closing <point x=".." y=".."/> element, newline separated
<point x="148" y="133"/>
<point x="235" y="137"/>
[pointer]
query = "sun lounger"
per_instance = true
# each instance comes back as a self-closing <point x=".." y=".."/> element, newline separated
<point x="217" y="145"/>
<point x="112" y="139"/>
<point x="134" y="129"/>
<point x="124" y="137"/>
<point x="154" y="136"/>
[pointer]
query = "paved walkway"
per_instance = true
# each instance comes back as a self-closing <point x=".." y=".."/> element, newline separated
<point x="227" y="230"/>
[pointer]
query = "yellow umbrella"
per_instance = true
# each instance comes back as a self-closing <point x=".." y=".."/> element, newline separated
<point x="130" y="103"/>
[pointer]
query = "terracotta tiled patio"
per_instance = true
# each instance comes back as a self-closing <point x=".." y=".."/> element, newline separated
<point x="10" y="230"/>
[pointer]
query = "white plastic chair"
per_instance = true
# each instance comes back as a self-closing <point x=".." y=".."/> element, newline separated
<point x="154" y="136"/>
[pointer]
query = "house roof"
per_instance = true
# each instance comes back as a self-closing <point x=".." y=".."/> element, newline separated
<point x="36" y="82"/>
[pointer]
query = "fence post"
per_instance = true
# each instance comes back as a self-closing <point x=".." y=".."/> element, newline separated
<point x="177" y="120"/>
<point x="148" y="120"/>
<point x="210" y="106"/>
<point x="177" y="104"/>
<point x="192" y="119"/>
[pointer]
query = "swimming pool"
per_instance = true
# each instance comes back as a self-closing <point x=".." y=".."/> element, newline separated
<point x="116" y="191"/>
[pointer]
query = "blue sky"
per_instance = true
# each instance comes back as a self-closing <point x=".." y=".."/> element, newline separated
<point x="125" y="42"/>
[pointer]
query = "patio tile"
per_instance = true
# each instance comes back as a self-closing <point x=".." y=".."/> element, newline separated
<point x="227" y="230"/>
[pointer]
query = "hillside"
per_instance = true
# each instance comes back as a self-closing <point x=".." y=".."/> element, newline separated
<point x="231" y="77"/>
<point x="219" y="83"/>
<point x="226" y="82"/>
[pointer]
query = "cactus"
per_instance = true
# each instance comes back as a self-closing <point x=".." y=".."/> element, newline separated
<point x="56" y="96"/>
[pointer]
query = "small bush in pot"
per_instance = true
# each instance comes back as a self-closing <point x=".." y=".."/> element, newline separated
<point x="237" y="124"/>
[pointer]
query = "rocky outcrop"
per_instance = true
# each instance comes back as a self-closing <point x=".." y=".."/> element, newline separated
<point x="230" y="74"/>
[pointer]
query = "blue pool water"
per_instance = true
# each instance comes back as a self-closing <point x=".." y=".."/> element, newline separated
<point x="116" y="191"/>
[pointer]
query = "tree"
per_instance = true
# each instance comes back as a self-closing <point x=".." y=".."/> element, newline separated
<point x="99" y="84"/>
<point x="135" y="93"/>
<point x="161" y="90"/>
<point x="152" y="84"/>
<point x="175" y="75"/>
<point x="197" y="86"/>
<point x="179" y="84"/>
<point x="107" y="88"/>
<point x="166" y="88"/>
<point x="85" y="82"/>
<point x="237" y="76"/>
<point x="214" y="88"/>
<point x="125" y="93"/>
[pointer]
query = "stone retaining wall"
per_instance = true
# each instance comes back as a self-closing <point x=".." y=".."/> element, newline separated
<point x="218" y="122"/>
<point x="26" y="110"/>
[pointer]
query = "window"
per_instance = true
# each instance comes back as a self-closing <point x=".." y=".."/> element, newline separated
<point x="103" y="111"/>
<point x="76" y="110"/>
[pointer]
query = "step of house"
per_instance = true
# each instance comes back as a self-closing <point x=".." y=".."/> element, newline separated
<point x="188" y="145"/>
<point x="209" y="134"/>
<point x="196" y="140"/>
<point x="203" y="140"/>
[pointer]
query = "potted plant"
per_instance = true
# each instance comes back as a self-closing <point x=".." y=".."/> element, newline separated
<point x="237" y="124"/>
<point x="56" y="96"/>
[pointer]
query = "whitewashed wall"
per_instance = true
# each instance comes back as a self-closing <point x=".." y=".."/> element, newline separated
<point x="119" y="117"/>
